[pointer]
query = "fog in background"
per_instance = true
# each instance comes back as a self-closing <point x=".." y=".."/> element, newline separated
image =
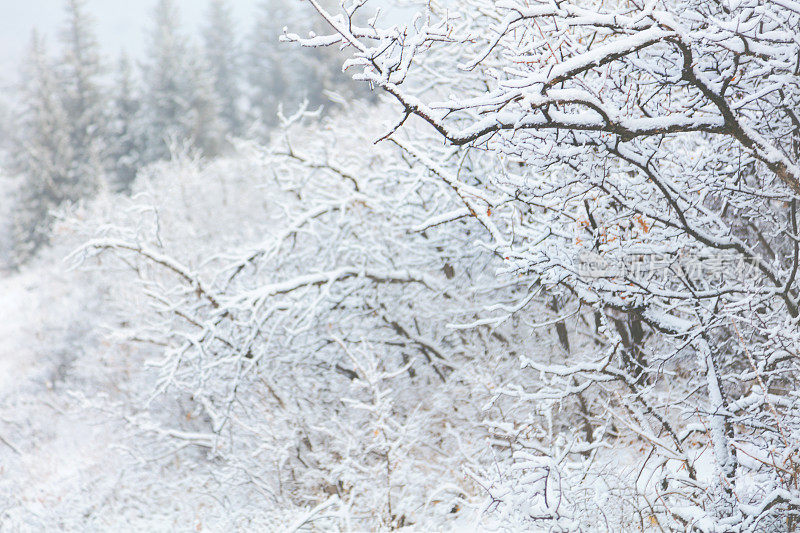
<point x="121" y="25"/>
<point x="515" y="265"/>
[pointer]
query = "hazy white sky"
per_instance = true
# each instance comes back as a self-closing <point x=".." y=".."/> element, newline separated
<point x="120" y="23"/>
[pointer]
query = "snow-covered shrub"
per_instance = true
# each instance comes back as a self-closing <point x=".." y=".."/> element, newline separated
<point x="646" y="172"/>
<point x="328" y="345"/>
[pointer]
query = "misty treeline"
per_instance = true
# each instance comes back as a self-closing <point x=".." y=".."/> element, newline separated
<point x="87" y="121"/>
<point x="548" y="283"/>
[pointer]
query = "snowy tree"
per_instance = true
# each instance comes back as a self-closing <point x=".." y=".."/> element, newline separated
<point x="279" y="76"/>
<point x="125" y="129"/>
<point x="224" y="59"/>
<point x="80" y="72"/>
<point x="558" y="291"/>
<point x="178" y="104"/>
<point x="646" y="173"/>
<point x="270" y="72"/>
<point x="60" y="142"/>
<point x="43" y="155"/>
<point x="305" y="332"/>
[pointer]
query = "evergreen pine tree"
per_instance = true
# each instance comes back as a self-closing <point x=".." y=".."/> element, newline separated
<point x="270" y="64"/>
<point x="84" y="103"/>
<point x="206" y="128"/>
<point x="125" y="131"/>
<point x="59" y="152"/>
<point x="43" y="155"/>
<point x="178" y="104"/>
<point x="223" y="58"/>
<point x="279" y="73"/>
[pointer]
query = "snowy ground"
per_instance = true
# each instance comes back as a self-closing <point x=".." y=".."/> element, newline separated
<point x="64" y="464"/>
<point x="52" y="450"/>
